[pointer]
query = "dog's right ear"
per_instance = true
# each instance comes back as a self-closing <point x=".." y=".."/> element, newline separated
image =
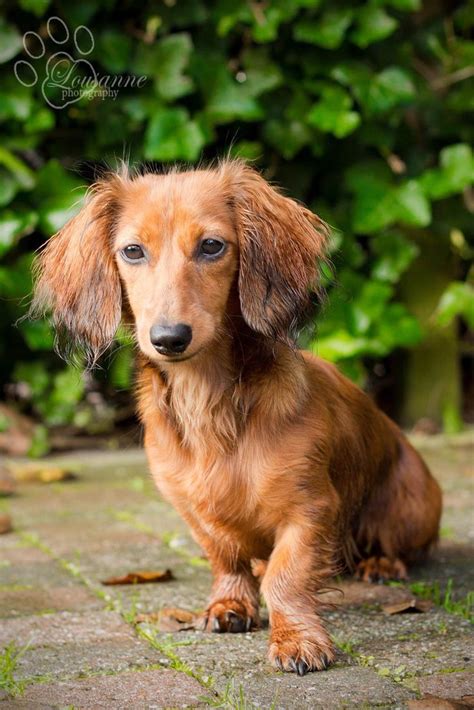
<point x="76" y="276"/>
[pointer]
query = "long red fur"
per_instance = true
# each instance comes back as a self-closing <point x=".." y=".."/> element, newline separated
<point x="267" y="452"/>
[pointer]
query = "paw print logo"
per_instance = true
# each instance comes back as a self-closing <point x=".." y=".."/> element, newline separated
<point x="66" y="79"/>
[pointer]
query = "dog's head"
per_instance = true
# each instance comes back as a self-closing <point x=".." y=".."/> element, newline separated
<point x="173" y="250"/>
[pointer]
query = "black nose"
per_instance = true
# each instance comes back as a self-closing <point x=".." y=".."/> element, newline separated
<point x="171" y="339"/>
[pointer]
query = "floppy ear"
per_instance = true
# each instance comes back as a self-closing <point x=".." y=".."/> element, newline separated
<point x="281" y="246"/>
<point x="77" y="279"/>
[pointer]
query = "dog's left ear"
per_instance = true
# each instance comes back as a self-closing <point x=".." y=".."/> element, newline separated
<point x="281" y="246"/>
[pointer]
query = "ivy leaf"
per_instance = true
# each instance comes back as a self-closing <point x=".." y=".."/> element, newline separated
<point x="373" y="207"/>
<point x="114" y="50"/>
<point x="456" y="172"/>
<point x="171" y="135"/>
<point x="368" y="306"/>
<point x="457" y="300"/>
<point x="390" y="88"/>
<point x="13" y="226"/>
<point x="57" y="205"/>
<point x="261" y="74"/>
<point x="394" y="254"/>
<point x="37" y="7"/>
<point x="372" y="25"/>
<point x="327" y="32"/>
<point x="10" y="41"/>
<point x="165" y="63"/>
<point x="332" y="113"/>
<point x="288" y="137"/>
<point x="405" y="5"/>
<point x="226" y="99"/>
<point x="398" y="328"/>
<point x="412" y="206"/>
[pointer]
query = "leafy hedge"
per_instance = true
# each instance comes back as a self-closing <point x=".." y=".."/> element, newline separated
<point x="359" y="109"/>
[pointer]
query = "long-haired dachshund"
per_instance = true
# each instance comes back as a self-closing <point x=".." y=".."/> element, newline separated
<point x="267" y="452"/>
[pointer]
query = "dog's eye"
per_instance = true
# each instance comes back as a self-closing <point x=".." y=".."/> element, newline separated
<point x="211" y="247"/>
<point x="133" y="252"/>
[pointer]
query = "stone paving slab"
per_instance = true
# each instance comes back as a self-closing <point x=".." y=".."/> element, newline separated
<point x="144" y="690"/>
<point x="85" y="651"/>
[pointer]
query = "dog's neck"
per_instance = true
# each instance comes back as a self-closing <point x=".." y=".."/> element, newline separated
<point x="210" y="399"/>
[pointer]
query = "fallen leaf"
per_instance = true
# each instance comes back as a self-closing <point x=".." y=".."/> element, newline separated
<point x="170" y="619"/>
<point x="42" y="473"/>
<point x="7" y="482"/>
<point x="411" y="606"/>
<point x="6" y="525"/>
<point x="143" y="577"/>
<point x="16" y="433"/>
<point x="431" y="702"/>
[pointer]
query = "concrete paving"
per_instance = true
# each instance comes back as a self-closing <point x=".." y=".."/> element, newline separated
<point x="68" y="641"/>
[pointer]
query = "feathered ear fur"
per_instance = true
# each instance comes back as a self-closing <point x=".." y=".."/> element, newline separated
<point x="77" y="278"/>
<point x="282" y="244"/>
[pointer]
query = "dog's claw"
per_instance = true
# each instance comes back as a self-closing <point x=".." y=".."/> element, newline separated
<point x="248" y="623"/>
<point x="216" y="627"/>
<point x="293" y="667"/>
<point x="302" y="667"/>
<point x="279" y="664"/>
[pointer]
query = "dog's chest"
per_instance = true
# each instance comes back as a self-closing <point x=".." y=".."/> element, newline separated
<point x="224" y="490"/>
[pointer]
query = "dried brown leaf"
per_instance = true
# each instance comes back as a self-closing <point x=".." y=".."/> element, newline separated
<point x="141" y="577"/>
<point x="410" y="606"/>
<point x="6" y="524"/>
<point x="170" y="619"/>
<point x="7" y="482"/>
<point x="42" y="473"/>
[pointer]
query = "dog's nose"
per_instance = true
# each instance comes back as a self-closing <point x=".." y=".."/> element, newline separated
<point x="171" y="339"/>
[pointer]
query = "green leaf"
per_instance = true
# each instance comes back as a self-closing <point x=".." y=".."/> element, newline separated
<point x="226" y="98"/>
<point x="40" y="445"/>
<point x="394" y="254"/>
<point x="38" y="334"/>
<point x="374" y="207"/>
<point x="457" y="300"/>
<point x="165" y="63"/>
<point x="23" y="175"/>
<point x="10" y="41"/>
<point x="372" y="25"/>
<point x="456" y="172"/>
<point x="35" y="375"/>
<point x="405" y="5"/>
<point x="13" y="226"/>
<point x="171" y="135"/>
<point x="113" y="50"/>
<point x="340" y="346"/>
<point x="8" y="188"/>
<point x="328" y="31"/>
<point x="368" y="306"/>
<point x="261" y="74"/>
<point x="59" y="194"/>
<point x="398" y="328"/>
<point x="37" y="7"/>
<point x="332" y="113"/>
<point x="287" y="137"/>
<point x="413" y="208"/>
<point x="390" y="88"/>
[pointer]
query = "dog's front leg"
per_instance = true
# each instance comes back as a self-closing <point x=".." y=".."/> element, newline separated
<point x="233" y="605"/>
<point x="301" y="560"/>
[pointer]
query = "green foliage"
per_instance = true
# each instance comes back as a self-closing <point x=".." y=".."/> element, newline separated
<point x="9" y="657"/>
<point x="360" y="109"/>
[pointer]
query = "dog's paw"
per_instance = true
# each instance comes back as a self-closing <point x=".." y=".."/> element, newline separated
<point x="228" y="616"/>
<point x="301" y="655"/>
<point x="380" y="569"/>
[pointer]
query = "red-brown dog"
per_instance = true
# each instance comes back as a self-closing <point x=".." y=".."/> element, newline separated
<point x="268" y="453"/>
